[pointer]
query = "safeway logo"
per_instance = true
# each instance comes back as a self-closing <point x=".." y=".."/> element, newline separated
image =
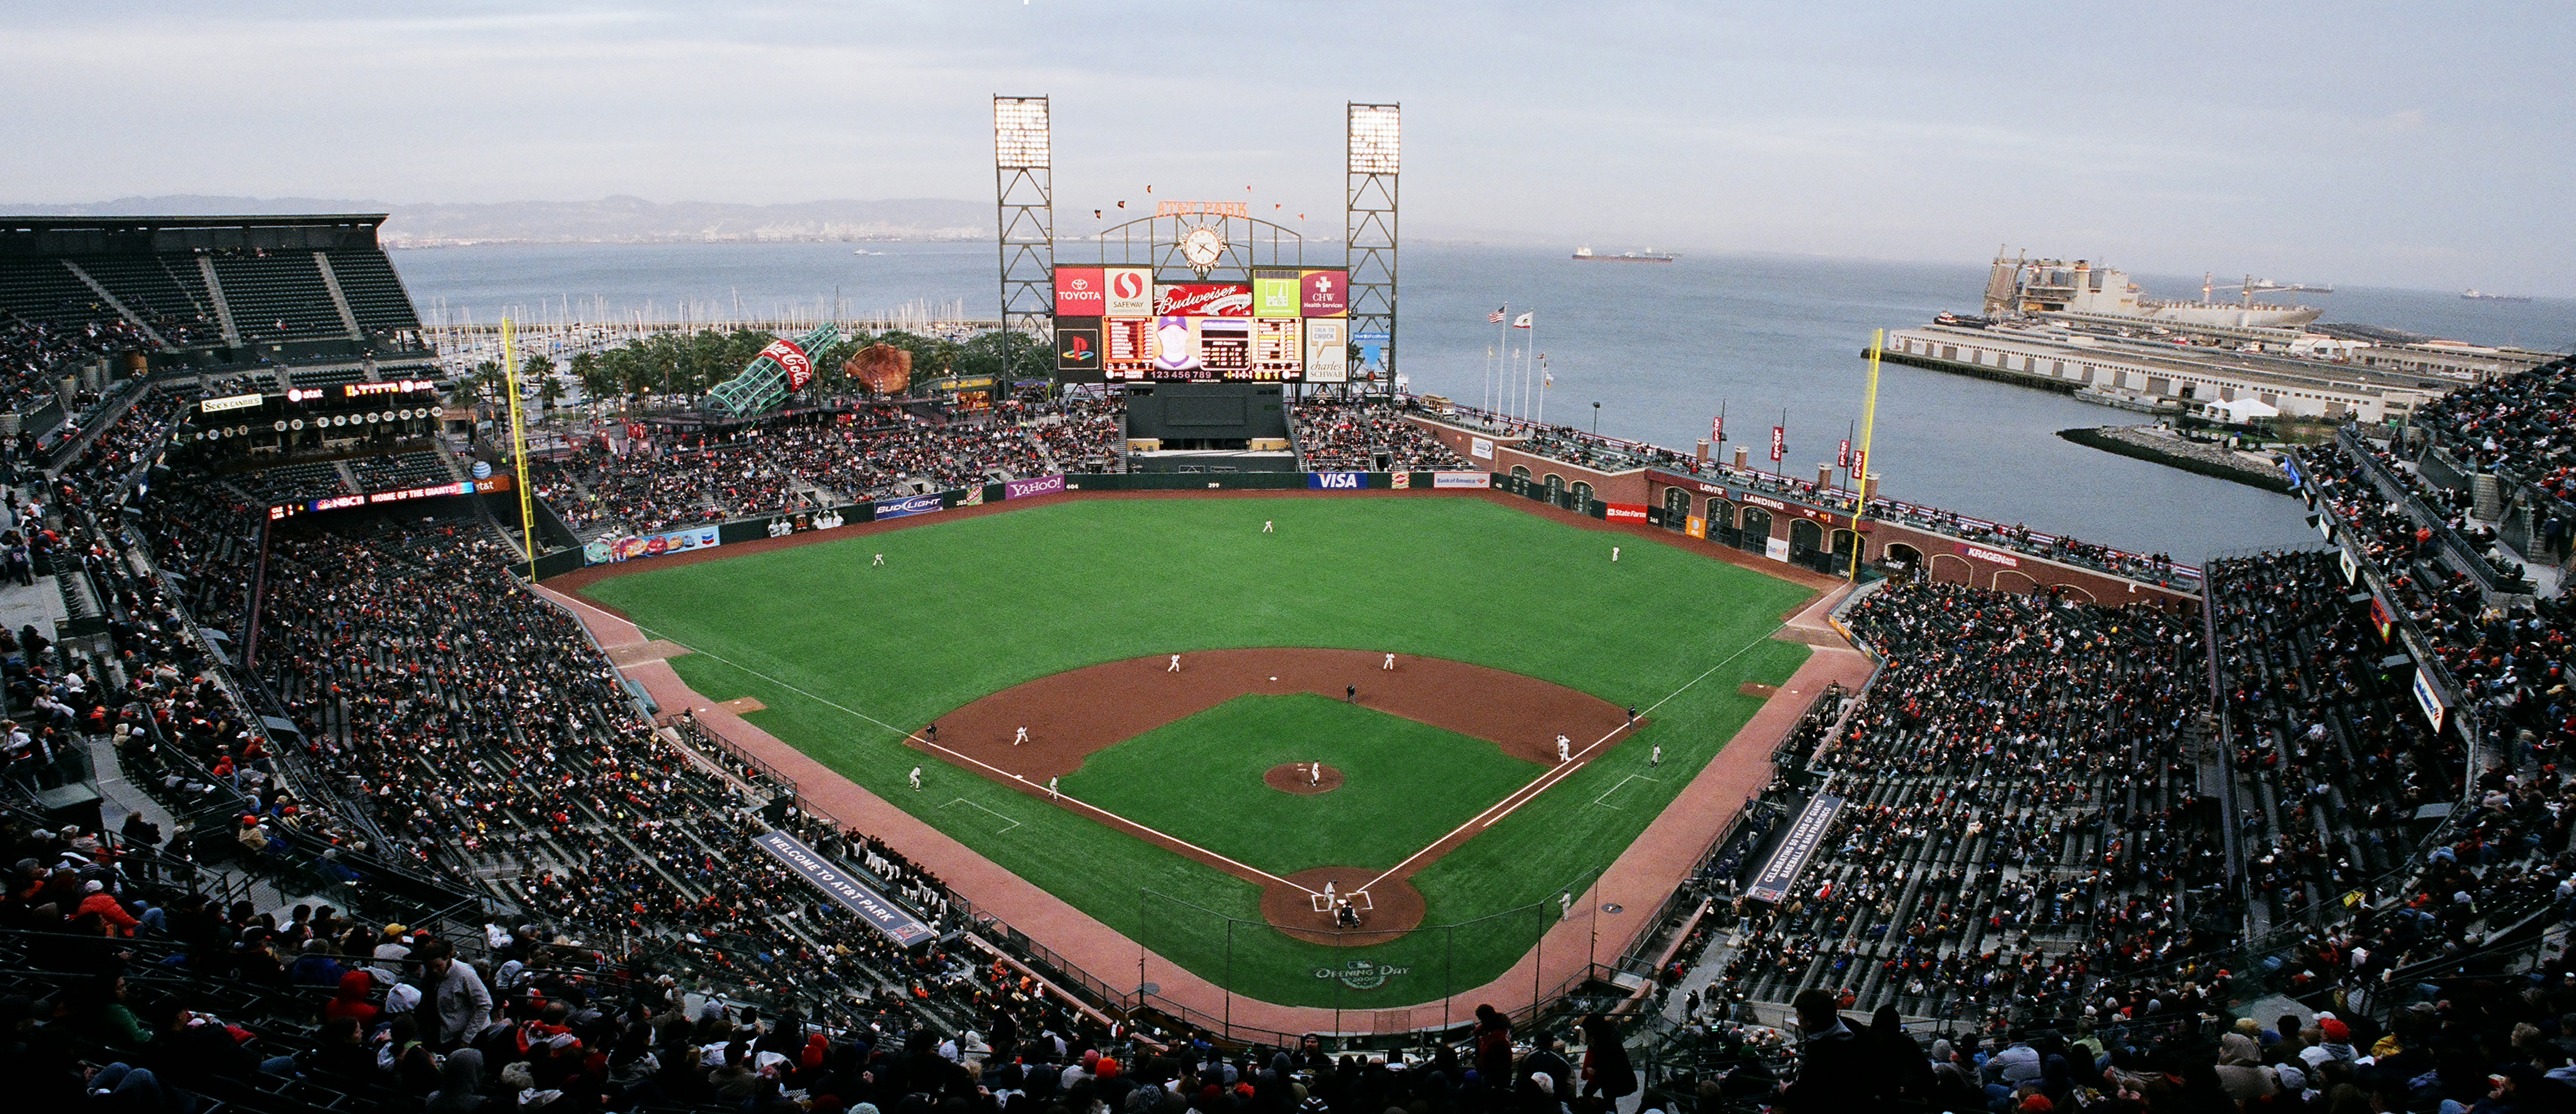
<point x="1127" y="284"/>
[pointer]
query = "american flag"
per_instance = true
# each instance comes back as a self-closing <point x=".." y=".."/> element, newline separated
<point x="1496" y="317"/>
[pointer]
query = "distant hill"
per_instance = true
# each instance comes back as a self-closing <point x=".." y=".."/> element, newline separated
<point x="607" y="220"/>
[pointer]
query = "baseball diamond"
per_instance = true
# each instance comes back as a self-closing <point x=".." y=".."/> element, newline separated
<point x="1143" y="797"/>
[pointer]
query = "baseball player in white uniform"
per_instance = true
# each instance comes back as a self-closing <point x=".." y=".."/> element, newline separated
<point x="1266" y="527"/>
<point x="1564" y="749"/>
<point x="1314" y="773"/>
<point x="1614" y="555"/>
<point x="1051" y="793"/>
<point x="916" y="779"/>
<point x="879" y="561"/>
<point x="1176" y="664"/>
<point x="1390" y="662"/>
<point x="1022" y="737"/>
<point x="1656" y="756"/>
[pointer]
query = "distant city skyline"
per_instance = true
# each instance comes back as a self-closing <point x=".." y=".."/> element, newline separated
<point x="2391" y="145"/>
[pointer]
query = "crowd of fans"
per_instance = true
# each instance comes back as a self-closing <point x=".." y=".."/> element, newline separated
<point x="659" y="482"/>
<point x="1339" y="434"/>
<point x="2522" y="426"/>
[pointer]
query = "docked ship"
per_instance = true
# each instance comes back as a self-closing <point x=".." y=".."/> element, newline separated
<point x="2020" y="287"/>
<point x="2482" y="296"/>
<point x="1650" y="255"/>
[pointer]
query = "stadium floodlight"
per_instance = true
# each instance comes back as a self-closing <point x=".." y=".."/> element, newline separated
<point x="1373" y="139"/>
<point x="1020" y="133"/>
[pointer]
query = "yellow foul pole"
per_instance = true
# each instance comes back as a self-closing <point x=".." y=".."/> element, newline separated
<point x="519" y="449"/>
<point x="1868" y="422"/>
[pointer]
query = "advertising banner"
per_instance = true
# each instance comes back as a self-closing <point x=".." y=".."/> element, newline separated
<point x="1779" y="877"/>
<point x="1225" y="345"/>
<point x="804" y="521"/>
<point x="1129" y="344"/>
<point x="904" y="507"/>
<point x="1842" y="457"/>
<point x="1131" y="292"/>
<point x="800" y="368"/>
<point x="1400" y="481"/>
<point x="1325" y="294"/>
<point x="1980" y="553"/>
<point x="849" y="893"/>
<point x="2381" y="615"/>
<point x="1328" y="351"/>
<point x="1042" y="485"/>
<point x="1776" y="549"/>
<point x="1080" y="292"/>
<point x="1625" y="512"/>
<point x="1696" y="527"/>
<point x="1203" y="299"/>
<point x="1337" y="481"/>
<point x="1077" y="346"/>
<point x="1482" y="448"/>
<point x="1275" y="295"/>
<point x="2430" y="700"/>
<point x="610" y="550"/>
<point x="1779" y="443"/>
<point x="1477" y="480"/>
<point x="2351" y="568"/>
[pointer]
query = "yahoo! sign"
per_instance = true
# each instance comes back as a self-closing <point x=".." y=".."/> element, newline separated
<point x="1042" y="485"/>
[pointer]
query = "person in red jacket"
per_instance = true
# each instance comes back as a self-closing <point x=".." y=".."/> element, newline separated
<point x="98" y="900"/>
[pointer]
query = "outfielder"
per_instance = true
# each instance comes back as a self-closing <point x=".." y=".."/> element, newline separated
<point x="1614" y="555"/>
<point x="1390" y="662"/>
<point x="1564" y="749"/>
<point x="1266" y="527"/>
<point x="1022" y="737"/>
<point x="916" y="779"/>
<point x="1655" y="757"/>
<point x="879" y="561"/>
<point x="1051" y="793"/>
<point x="1176" y="664"/>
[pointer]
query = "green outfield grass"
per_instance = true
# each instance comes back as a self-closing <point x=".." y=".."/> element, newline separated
<point x="1408" y="783"/>
<point x="838" y="650"/>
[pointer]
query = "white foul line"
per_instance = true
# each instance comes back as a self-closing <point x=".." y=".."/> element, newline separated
<point x="1576" y="761"/>
<point x="998" y="771"/>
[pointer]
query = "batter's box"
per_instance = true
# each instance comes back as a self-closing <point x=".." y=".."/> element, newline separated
<point x="1359" y="900"/>
<point x="1604" y="799"/>
<point x="1007" y="822"/>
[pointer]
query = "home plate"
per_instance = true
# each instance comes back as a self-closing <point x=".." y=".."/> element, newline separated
<point x="1359" y="900"/>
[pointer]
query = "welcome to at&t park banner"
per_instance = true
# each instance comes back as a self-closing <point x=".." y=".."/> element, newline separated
<point x="849" y="893"/>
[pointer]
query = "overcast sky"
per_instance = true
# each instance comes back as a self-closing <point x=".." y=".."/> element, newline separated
<point x="2424" y="145"/>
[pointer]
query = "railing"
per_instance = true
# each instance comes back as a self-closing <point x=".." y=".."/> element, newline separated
<point x="2463" y="556"/>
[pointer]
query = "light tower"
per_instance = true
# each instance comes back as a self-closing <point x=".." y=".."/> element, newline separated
<point x="1024" y="210"/>
<point x="1369" y="230"/>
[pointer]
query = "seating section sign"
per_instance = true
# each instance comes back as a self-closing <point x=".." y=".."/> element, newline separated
<point x="849" y="893"/>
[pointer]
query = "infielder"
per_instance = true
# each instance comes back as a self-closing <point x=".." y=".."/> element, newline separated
<point x="1051" y="793"/>
<point x="1022" y="737"/>
<point x="1564" y="749"/>
<point x="879" y="561"/>
<point x="1176" y="664"/>
<point x="1390" y="662"/>
<point x="916" y="779"/>
<point x="1266" y="527"/>
<point x="1314" y="773"/>
<point x="1655" y="757"/>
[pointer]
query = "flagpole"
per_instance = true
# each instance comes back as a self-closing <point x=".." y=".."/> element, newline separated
<point x="1860" y="463"/>
<point x="1542" y="386"/>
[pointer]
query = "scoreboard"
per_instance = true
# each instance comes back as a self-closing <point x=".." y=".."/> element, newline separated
<point x="1119" y="325"/>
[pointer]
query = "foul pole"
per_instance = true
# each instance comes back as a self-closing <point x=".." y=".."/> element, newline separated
<point x="519" y="450"/>
<point x="1860" y="479"/>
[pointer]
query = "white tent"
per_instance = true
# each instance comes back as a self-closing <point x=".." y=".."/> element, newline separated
<point x="2242" y="410"/>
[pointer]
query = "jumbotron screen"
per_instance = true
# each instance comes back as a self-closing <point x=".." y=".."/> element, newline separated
<point x="1119" y="325"/>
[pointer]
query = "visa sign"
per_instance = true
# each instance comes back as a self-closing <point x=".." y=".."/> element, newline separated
<point x="1337" y="481"/>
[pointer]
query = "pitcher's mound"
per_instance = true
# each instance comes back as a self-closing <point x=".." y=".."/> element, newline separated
<point x="1302" y="779"/>
<point x="1388" y="909"/>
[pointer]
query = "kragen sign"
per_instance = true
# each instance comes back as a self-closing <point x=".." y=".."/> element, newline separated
<point x="1980" y="553"/>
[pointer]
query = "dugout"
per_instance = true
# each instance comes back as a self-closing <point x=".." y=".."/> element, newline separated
<point x="1207" y="427"/>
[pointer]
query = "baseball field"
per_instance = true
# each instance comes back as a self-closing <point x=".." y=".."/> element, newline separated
<point x="1191" y="810"/>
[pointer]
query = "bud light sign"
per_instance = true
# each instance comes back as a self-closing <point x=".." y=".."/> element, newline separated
<point x="1337" y="481"/>
<point x="898" y="508"/>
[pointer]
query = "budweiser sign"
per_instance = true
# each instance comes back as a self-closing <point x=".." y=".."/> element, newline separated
<point x="1203" y="299"/>
<point x="800" y="370"/>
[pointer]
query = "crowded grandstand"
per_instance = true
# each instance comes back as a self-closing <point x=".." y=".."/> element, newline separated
<point x="315" y="803"/>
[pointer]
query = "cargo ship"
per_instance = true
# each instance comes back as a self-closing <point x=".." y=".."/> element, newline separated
<point x="2482" y="296"/>
<point x="2019" y="286"/>
<point x="1650" y="255"/>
